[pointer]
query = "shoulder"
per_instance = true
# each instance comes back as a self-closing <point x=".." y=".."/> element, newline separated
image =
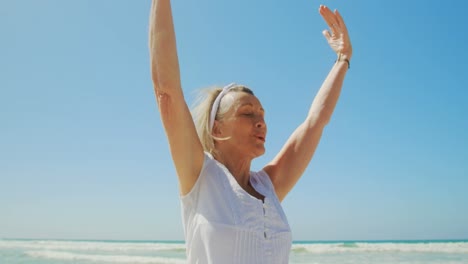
<point x="209" y="167"/>
<point x="262" y="179"/>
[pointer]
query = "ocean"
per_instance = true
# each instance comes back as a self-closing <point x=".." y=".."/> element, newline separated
<point x="14" y="251"/>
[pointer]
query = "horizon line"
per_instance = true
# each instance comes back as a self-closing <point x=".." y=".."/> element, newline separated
<point x="299" y="241"/>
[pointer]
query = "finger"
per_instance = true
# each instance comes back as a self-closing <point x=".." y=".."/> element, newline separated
<point x="341" y="21"/>
<point x="329" y="18"/>
<point x="326" y="34"/>
<point x="336" y="17"/>
<point x="344" y="29"/>
<point x="337" y="25"/>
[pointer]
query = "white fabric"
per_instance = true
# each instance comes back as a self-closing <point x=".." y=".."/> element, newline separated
<point x="215" y="106"/>
<point x="223" y="224"/>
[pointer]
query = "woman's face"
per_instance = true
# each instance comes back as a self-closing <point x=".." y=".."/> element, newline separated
<point x="244" y="125"/>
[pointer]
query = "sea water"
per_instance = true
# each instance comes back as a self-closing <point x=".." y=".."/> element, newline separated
<point x="173" y="252"/>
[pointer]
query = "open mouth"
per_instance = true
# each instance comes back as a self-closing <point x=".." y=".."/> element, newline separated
<point x="261" y="138"/>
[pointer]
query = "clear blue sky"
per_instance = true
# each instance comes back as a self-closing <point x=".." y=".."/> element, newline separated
<point x="83" y="153"/>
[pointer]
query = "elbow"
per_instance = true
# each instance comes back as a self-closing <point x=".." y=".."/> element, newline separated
<point x="167" y="97"/>
<point x="164" y="103"/>
<point x="157" y="89"/>
<point x="317" y="121"/>
<point x="161" y="88"/>
<point x="324" y="121"/>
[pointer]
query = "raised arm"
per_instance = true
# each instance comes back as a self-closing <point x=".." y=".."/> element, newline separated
<point x="186" y="149"/>
<point x="288" y="166"/>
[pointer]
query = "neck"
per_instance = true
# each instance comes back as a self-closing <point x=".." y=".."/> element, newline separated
<point x="238" y="166"/>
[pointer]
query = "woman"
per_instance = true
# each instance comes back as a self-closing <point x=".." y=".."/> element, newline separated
<point x="230" y="214"/>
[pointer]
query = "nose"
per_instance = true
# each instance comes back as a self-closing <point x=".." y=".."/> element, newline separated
<point x="260" y="122"/>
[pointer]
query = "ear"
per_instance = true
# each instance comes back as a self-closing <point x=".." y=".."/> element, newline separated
<point x="217" y="128"/>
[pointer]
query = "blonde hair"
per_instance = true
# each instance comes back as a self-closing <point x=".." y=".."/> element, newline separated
<point x="201" y="113"/>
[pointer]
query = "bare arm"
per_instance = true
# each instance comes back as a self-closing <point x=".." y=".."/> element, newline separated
<point x="288" y="166"/>
<point x="186" y="149"/>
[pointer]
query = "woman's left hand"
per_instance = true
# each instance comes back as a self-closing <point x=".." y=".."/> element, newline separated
<point x="338" y="38"/>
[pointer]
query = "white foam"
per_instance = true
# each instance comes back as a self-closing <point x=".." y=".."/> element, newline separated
<point x="126" y="248"/>
<point x="432" y="247"/>
<point x="92" y="246"/>
<point x="60" y="255"/>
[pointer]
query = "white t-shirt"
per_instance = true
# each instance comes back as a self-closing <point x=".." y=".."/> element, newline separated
<point x="224" y="224"/>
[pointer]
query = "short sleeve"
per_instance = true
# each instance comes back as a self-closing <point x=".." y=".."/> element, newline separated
<point x="190" y="199"/>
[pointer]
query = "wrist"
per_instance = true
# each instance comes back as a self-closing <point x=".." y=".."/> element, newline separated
<point x="344" y="58"/>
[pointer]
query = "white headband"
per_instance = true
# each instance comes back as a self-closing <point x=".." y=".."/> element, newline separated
<point x="214" y="108"/>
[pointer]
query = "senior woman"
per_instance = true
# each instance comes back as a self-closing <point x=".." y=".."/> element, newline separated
<point x="232" y="214"/>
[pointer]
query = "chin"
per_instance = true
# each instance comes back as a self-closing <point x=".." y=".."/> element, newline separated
<point x="259" y="152"/>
